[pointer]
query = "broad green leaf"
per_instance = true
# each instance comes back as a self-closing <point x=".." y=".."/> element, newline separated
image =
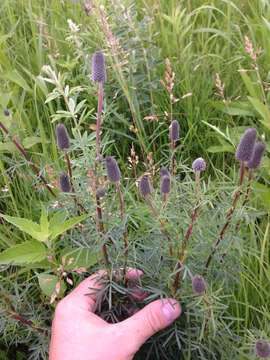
<point x="9" y="147"/>
<point x="31" y="141"/>
<point x="234" y="108"/>
<point x="15" y="77"/>
<point x="44" y="224"/>
<point x="221" y="148"/>
<point x="47" y="283"/>
<point x="260" y="108"/>
<point x="26" y="253"/>
<point x="83" y="257"/>
<point x="253" y="90"/>
<point x="66" y="225"/>
<point x="27" y="226"/>
<point x="56" y="219"/>
<point x="263" y="193"/>
<point x="4" y="99"/>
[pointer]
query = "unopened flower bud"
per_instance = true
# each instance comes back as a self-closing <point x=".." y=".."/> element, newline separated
<point x="113" y="170"/>
<point x="145" y="187"/>
<point x="174" y="130"/>
<point x="165" y="186"/>
<point x="198" y="284"/>
<point x="262" y="349"/>
<point x="255" y="161"/>
<point x="6" y="112"/>
<point x="64" y="182"/>
<point x="62" y="137"/>
<point x="199" y="164"/>
<point x="101" y="192"/>
<point x="98" y="67"/>
<point x="245" y="149"/>
<point x="164" y="171"/>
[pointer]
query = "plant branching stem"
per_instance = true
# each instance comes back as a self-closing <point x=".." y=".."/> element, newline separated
<point x="124" y="233"/>
<point x="18" y="145"/>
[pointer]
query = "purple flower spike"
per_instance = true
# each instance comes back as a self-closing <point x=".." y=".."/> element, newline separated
<point x="6" y="112"/>
<point x="259" y="150"/>
<point x="164" y="171"/>
<point x="262" y="349"/>
<point x="145" y="187"/>
<point x="198" y="284"/>
<point x="64" y="182"/>
<point x="62" y="137"/>
<point x="199" y="164"/>
<point x="165" y="186"/>
<point x="113" y="171"/>
<point x="245" y="149"/>
<point x="98" y="67"/>
<point x="174" y="130"/>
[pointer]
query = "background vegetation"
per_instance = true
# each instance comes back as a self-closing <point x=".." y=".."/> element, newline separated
<point x="201" y="39"/>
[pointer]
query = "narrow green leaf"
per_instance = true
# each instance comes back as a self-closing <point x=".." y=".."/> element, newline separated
<point x="56" y="219"/>
<point x="15" y="77"/>
<point x="221" y="148"/>
<point x="259" y="107"/>
<point x="26" y="253"/>
<point x="31" y="141"/>
<point x="82" y="257"/>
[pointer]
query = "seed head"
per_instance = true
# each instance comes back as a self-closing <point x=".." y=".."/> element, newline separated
<point x="199" y="164"/>
<point x="62" y="137"/>
<point x="262" y="349"/>
<point x="145" y="187"/>
<point x="164" y="171"/>
<point x="98" y="67"/>
<point x="101" y="192"/>
<point x="64" y="182"/>
<point x="6" y="112"/>
<point x="174" y="130"/>
<point x="113" y="170"/>
<point x="165" y="186"/>
<point x="245" y="149"/>
<point x="198" y="284"/>
<point x="255" y="161"/>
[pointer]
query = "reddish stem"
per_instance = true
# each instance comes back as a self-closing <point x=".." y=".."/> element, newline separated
<point x="27" y="322"/>
<point x="101" y="228"/>
<point x="124" y="233"/>
<point x="28" y="159"/>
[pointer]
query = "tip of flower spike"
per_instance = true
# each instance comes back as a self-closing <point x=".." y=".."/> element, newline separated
<point x="165" y="186"/>
<point x="255" y="161"/>
<point x="174" y="130"/>
<point x="198" y="284"/>
<point x="62" y="138"/>
<point x="145" y="188"/>
<point x="101" y="192"/>
<point x="113" y="170"/>
<point x="245" y="149"/>
<point x="262" y="349"/>
<point x="65" y="185"/>
<point x="98" y="67"/>
<point x="199" y="164"/>
<point x="164" y="171"/>
<point x="6" y="112"/>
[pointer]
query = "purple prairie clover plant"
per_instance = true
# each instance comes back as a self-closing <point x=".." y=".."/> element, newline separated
<point x="255" y="161"/>
<point x="164" y="171"/>
<point x="199" y="164"/>
<point x="174" y="135"/>
<point x="165" y="186"/>
<point x="198" y="284"/>
<point x="262" y="349"/>
<point x="145" y="187"/>
<point x="65" y="185"/>
<point x="6" y="112"/>
<point x="245" y="149"/>
<point x="62" y="138"/>
<point x="113" y="171"/>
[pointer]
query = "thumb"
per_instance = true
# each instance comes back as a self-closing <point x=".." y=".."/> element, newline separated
<point x="151" y="319"/>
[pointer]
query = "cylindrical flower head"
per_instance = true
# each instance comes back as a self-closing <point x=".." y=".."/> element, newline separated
<point x="174" y="130"/>
<point x="113" y="170"/>
<point x="245" y="149"/>
<point x="62" y="137"/>
<point x="198" y="284"/>
<point x="6" y="112"/>
<point x="165" y="186"/>
<point x="64" y="182"/>
<point x="262" y="349"/>
<point x="145" y="187"/>
<point x="98" y="67"/>
<point x="255" y="161"/>
<point x="164" y="171"/>
<point x="199" y="164"/>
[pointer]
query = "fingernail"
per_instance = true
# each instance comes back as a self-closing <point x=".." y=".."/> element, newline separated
<point x="170" y="312"/>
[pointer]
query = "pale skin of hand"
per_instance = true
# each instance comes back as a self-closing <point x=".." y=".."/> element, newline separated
<point x="79" y="334"/>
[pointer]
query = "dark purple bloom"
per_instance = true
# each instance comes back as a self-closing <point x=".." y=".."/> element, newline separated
<point x="98" y="67"/>
<point x="164" y="171"/>
<point x="255" y="161"/>
<point x="64" y="182"/>
<point x="113" y="170"/>
<point x="262" y="349"/>
<point x="6" y="112"/>
<point x="62" y="137"/>
<point x="245" y="149"/>
<point x="145" y="187"/>
<point x="199" y="164"/>
<point x="165" y="186"/>
<point x="198" y="284"/>
<point x="174" y="130"/>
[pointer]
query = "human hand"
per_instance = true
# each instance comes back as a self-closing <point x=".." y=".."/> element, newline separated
<point x="79" y="334"/>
